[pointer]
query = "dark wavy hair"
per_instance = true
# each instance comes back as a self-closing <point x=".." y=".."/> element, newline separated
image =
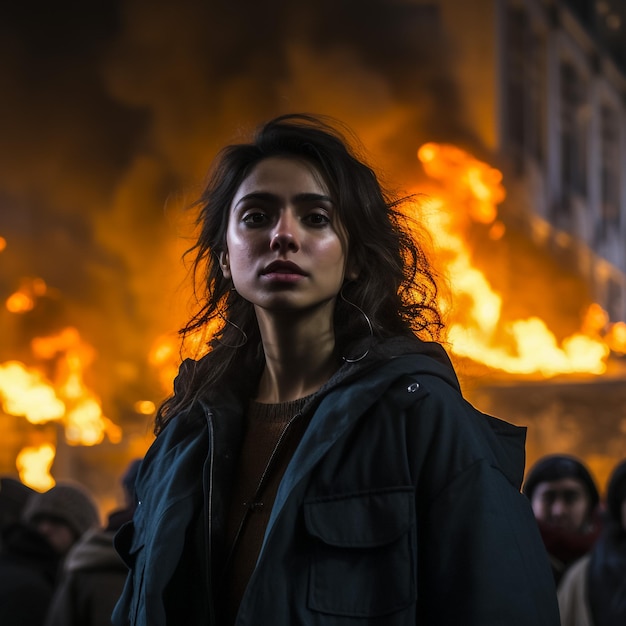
<point x="395" y="287"/>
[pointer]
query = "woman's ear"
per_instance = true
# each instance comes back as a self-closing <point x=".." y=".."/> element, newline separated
<point x="224" y="263"/>
<point x="353" y="268"/>
<point x="352" y="273"/>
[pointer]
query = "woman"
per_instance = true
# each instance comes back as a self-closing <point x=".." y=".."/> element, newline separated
<point x="564" y="498"/>
<point x="319" y="465"/>
<point x="593" y="591"/>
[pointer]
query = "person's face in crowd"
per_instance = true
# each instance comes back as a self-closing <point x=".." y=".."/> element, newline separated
<point x="285" y="246"/>
<point x="59" y="535"/>
<point x="562" y="503"/>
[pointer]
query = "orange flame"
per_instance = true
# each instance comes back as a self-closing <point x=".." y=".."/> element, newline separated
<point x="164" y="358"/>
<point x="85" y="423"/>
<point x="616" y="337"/>
<point x="26" y="393"/>
<point x="530" y="347"/>
<point x="166" y="353"/>
<point x="145" y="407"/>
<point x="476" y="185"/>
<point x="23" y="300"/>
<point x="33" y="465"/>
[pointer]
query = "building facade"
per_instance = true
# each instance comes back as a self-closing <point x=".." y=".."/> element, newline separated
<point x="544" y="88"/>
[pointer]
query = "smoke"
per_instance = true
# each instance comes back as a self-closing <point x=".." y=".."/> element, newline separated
<point x="112" y="111"/>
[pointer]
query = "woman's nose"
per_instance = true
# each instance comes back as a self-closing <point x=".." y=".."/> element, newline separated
<point x="559" y="509"/>
<point x="285" y="235"/>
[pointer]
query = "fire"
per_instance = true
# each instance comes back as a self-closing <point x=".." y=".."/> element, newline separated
<point x="145" y="407"/>
<point x="86" y="426"/>
<point x="33" y="465"/>
<point x="616" y="337"/>
<point x="166" y="354"/>
<point x="476" y="185"/>
<point x="523" y="346"/>
<point x="23" y="300"/>
<point x="3" y="244"/>
<point x="84" y="421"/>
<point x="26" y="391"/>
<point x="595" y="320"/>
<point x="535" y="350"/>
<point x="164" y="358"/>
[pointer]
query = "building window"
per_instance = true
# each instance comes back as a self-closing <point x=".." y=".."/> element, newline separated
<point x="610" y="170"/>
<point x="574" y="131"/>
<point x="525" y="87"/>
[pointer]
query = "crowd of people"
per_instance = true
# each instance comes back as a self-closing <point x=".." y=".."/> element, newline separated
<point x="58" y="564"/>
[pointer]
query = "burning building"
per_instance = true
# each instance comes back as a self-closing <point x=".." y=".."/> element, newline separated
<point x="543" y="83"/>
<point x="505" y="117"/>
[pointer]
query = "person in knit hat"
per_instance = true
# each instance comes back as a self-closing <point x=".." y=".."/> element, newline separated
<point x="564" y="498"/>
<point x="93" y="573"/>
<point x="62" y="514"/>
<point x="34" y="548"/>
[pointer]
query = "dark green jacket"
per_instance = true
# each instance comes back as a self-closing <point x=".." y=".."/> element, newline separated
<point x="401" y="506"/>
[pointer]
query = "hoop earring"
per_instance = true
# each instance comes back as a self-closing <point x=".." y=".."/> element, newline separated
<point x="244" y="340"/>
<point x="369" y="326"/>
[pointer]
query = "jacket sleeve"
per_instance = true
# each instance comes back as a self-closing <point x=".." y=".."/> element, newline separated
<point x="481" y="559"/>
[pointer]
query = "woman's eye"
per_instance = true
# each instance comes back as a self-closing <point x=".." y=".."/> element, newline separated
<point x="317" y="219"/>
<point x="255" y="218"/>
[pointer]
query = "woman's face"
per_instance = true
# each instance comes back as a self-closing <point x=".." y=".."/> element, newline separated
<point x="285" y="247"/>
<point x="564" y="503"/>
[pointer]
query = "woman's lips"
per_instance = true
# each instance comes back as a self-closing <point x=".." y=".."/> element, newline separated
<point x="283" y="271"/>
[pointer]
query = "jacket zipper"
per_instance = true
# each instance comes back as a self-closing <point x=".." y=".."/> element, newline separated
<point x="255" y="503"/>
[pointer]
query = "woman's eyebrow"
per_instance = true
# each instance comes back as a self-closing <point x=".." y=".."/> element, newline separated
<point x="313" y="197"/>
<point x="305" y="197"/>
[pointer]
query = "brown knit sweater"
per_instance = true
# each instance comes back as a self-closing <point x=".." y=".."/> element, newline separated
<point x="250" y="505"/>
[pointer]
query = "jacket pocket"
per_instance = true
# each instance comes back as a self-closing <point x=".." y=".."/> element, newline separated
<point x="364" y="559"/>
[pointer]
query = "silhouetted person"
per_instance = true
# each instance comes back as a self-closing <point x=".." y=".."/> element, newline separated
<point x="34" y="549"/>
<point x="13" y="497"/>
<point x="93" y="573"/>
<point x="564" y="499"/>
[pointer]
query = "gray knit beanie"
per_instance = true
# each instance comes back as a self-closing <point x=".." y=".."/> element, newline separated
<point x="70" y="503"/>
